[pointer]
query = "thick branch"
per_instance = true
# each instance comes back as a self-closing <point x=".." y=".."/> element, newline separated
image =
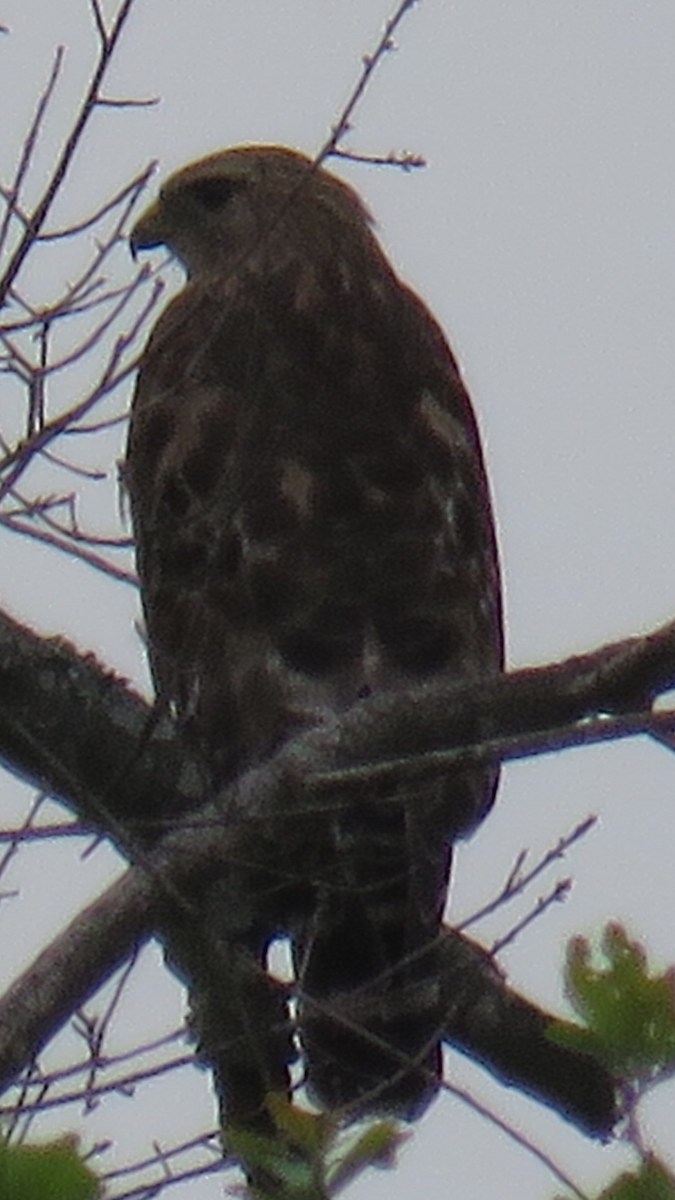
<point x="508" y="1035"/>
<point x="78" y="732"/>
<point x="485" y="1018"/>
<point x="66" y="973"/>
<point x="75" y="730"/>
<point x="600" y="696"/>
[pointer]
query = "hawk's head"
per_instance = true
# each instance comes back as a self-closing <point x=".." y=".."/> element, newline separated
<point x="219" y="210"/>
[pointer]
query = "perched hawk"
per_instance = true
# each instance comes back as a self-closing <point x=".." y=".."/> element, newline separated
<point x="313" y="526"/>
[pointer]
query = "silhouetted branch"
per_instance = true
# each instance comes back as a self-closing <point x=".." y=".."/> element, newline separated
<point x="140" y="768"/>
<point x="130" y="191"/>
<point x="66" y="973"/>
<point x="370" y="63"/>
<point x="35" y="220"/>
<point x="525" y="712"/>
<point x="517" y="880"/>
<point x="11" y="194"/>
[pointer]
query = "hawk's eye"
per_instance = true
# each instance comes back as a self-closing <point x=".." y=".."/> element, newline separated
<point x="213" y="194"/>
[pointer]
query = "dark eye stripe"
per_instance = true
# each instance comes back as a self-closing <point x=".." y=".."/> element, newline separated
<point x="213" y="194"/>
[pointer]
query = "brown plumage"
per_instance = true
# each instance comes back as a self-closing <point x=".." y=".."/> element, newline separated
<point x="313" y="525"/>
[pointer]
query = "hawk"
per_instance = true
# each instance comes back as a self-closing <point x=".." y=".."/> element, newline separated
<point x="313" y="526"/>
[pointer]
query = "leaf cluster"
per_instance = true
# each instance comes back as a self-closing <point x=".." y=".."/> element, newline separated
<point x="309" y="1156"/>
<point x="628" y="1014"/>
<point x="53" y="1171"/>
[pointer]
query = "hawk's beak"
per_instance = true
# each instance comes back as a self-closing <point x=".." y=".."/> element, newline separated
<point x="147" y="232"/>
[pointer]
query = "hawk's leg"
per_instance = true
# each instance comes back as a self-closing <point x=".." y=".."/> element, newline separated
<point x="239" y="1016"/>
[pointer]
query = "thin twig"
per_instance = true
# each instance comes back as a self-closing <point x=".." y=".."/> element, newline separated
<point x="370" y="64"/>
<point x="99" y="22"/>
<point x="70" y="548"/>
<point x="110" y="378"/>
<point x="37" y="218"/>
<point x="202" y="1140"/>
<point x="111" y="102"/>
<point x="585" y="732"/>
<point x="516" y="883"/>
<point x="132" y="189"/>
<point x="558" y="894"/>
<point x="515" y="1136"/>
<point x="29" y="147"/>
<point x="125" y="1083"/>
<point x="404" y="159"/>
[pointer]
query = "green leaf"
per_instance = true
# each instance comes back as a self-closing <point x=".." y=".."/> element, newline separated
<point x="287" y="1174"/>
<point x="310" y="1156"/>
<point x="652" y="1182"/>
<point x="376" y="1146"/>
<point x="50" y="1172"/>
<point x="309" y="1131"/>
<point x="628" y="1014"/>
<point x="286" y="1164"/>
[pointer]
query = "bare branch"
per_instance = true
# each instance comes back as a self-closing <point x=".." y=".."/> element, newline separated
<point x="209" y="1141"/>
<point x="13" y="846"/>
<point x="70" y="548"/>
<point x="516" y="1136"/>
<point x="517" y="710"/>
<point x="110" y="378"/>
<point x="145" y="1190"/>
<point x="404" y="159"/>
<point x="242" y="825"/>
<point x="110" y="102"/>
<point x="37" y="218"/>
<point x="65" y="829"/>
<point x="64" y="975"/>
<point x="517" y="882"/>
<point x="99" y="22"/>
<point x="125" y="1083"/>
<point x="109" y="1061"/>
<point x="558" y="893"/>
<point x="12" y="195"/>
<point x="131" y="190"/>
<point x="370" y="64"/>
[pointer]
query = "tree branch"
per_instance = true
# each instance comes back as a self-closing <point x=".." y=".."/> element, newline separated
<point x="36" y="220"/>
<point x="69" y="970"/>
<point x="78" y="732"/>
<point x="55" y="707"/>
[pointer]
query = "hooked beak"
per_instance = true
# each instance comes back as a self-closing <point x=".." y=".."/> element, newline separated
<point x="147" y="232"/>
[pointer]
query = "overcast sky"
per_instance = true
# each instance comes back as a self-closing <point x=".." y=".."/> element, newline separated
<point x="541" y="234"/>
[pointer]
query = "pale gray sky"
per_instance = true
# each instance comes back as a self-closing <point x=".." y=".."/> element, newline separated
<point x="542" y="236"/>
